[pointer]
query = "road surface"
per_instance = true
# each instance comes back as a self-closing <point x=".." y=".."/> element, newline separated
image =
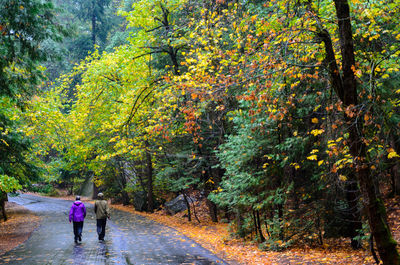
<point x="130" y="239"/>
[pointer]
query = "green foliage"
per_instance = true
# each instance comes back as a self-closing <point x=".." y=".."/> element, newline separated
<point x="8" y="184"/>
<point x="24" y="26"/>
<point x="16" y="163"/>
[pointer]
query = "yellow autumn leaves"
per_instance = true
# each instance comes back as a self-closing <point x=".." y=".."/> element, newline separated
<point x="392" y="153"/>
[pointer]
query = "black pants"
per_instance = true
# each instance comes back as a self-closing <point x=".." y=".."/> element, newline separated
<point x="101" y="228"/>
<point x="78" y="226"/>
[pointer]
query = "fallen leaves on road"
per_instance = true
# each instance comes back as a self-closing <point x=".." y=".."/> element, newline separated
<point x="19" y="226"/>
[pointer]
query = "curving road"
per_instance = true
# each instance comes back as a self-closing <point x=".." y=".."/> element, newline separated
<point x="130" y="239"/>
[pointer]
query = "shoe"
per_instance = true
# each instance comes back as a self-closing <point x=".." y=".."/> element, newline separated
<point x="80" y="238"/>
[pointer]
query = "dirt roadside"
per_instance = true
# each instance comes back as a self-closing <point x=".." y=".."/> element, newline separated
<point x="17" y="229"/>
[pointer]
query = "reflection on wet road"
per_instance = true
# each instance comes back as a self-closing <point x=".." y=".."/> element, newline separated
<point x="130" y="239"/>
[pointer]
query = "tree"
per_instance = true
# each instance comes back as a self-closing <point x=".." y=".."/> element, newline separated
<point x="25" y="25"/>
<point x="345" y="84"/>
<point x="288" y="54"/>
<point x="95" y="12"/>
<point x="23" y="28"/>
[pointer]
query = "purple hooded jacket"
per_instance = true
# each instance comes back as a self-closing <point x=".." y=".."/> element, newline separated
<point x="77" y="212"/>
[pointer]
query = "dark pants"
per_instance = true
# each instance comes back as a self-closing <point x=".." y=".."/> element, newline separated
<point x="101" y="228"/>
<point x="78" y="226"/>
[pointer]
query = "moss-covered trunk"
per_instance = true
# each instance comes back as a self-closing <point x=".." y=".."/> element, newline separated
<point x="377" y="218"/>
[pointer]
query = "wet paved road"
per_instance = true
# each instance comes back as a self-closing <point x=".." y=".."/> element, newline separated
<point x="130" y="239"/>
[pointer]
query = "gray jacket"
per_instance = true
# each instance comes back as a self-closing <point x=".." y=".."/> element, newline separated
<point x="101" y="209"/>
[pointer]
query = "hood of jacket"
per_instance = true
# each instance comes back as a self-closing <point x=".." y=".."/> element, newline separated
<point x="77" y="203"/>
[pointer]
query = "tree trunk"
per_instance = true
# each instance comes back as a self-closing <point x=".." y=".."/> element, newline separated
<point x="93" y="23"/>
<point x="125" y="195"/>
<point x="194" y="211"/>
<point x="395" y="180"/>
<point x="3" y="199"/>
<point x="150" y="202"/>
<point x="395" y="170"/>
<point x="255" y="224"/>
<point x="239" y="223"/>
<point x="122" y="181"/>
<point x="95" y="191"/>
<point x="280" y="218"/>
<point x="346" y="88"/>
<point x="372" y="249"/>
<point x="319" y="228"/>
<point x="71" y="188"/>
<point x="188" y="206"/>
<point x="262" y="238"/>
<point x="377" y="218"/>
<point x="173" y="55"/>
<point x="212" y="208"/>
<point x="353" y="213"/>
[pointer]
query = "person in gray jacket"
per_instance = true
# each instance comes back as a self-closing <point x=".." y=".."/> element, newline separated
<point x="102" y="213"/>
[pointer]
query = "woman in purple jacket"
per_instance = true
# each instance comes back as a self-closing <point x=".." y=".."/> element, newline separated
<point x="77" y="214"/>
